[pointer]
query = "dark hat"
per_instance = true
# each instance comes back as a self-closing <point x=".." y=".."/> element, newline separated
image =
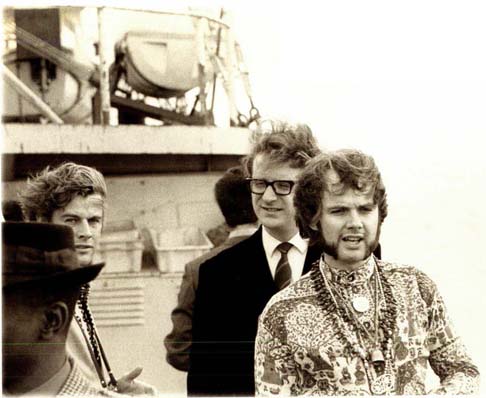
<point x="36" y="253"/>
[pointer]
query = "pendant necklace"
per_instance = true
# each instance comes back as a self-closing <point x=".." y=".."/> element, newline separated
<point x="361" y="303"/>
<point x="381" y="375"/>
<point x="375" y="353"/>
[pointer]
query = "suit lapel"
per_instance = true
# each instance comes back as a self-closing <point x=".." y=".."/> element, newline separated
<point x="255" y="260"/>
<point x="253" y="270"/>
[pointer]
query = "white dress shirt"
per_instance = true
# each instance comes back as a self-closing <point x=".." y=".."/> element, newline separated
<point x="296" y="254"/>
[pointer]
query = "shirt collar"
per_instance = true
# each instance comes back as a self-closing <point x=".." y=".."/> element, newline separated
<point x="357" y="276"/>
<point x="270" y="243"/>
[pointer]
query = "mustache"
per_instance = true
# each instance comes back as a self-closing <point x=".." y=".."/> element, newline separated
<point x="331" y="249"/>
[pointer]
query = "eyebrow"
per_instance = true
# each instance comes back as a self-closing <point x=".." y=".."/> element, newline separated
<point x="70" y="215"/>
<point x="369" y="204"/>
<point x="346" y="206"/>
<point x="74" y="215"/>
<point x="336" y="207"/>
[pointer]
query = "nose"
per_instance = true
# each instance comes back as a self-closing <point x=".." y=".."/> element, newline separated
<point x="354" y="220"/>
<point x="83" y="230"/>
<point x="269" y="195"/>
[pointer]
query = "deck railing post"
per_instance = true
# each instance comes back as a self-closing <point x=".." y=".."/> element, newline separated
<point x="103" y="71"/>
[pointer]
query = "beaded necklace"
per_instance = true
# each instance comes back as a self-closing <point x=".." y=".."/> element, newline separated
<point x="378" y="362"/>
<point x="93" y="341"/>
<point x="376" y="354"/>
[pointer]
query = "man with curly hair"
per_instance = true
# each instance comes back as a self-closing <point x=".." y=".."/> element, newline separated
<point x="75" y="195"/>
<point x="355" y="325"/>
<point x="70" y="194"/>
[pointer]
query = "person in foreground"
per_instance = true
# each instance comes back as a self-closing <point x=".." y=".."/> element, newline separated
<point x="42" y="279"/>
<point x="234" y="200"/>
<point x="75" y="195"/>
<point x="235" y="285"/>
<point x="355" y="324"/>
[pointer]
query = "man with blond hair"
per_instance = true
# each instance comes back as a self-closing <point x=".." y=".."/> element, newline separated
<point x="75" y="195"/>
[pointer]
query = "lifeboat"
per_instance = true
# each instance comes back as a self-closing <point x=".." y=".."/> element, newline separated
<point x="160" y="64"/>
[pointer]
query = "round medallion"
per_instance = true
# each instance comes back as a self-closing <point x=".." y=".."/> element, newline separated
<point x="361" y="304"/>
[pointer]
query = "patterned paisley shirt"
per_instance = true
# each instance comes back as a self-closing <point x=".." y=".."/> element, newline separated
<point x="299" y="349"/>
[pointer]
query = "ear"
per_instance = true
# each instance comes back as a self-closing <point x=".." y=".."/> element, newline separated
<point x="314" y="225"/>
<point x="56" y="319"/>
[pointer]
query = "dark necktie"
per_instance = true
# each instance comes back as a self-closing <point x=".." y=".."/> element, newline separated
<point x="283" y="273"/>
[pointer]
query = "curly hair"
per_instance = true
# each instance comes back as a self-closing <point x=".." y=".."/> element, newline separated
<point x="53" y="189"/>
<point x="355" y="170"/>
<point x="234" y="198"/>
<point x="283" y="142"/>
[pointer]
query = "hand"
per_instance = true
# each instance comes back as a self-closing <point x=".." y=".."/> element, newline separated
<point x="128" y="385"/>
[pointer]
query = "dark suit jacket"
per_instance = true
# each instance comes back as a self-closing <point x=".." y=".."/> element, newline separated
<point x="179" y="341"/>
<point x="234" y="287"/>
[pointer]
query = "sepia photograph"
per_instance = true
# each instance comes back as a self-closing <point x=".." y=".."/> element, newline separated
<point x="233" y="198"/>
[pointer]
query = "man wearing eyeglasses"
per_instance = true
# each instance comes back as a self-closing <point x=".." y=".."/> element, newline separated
<point x="235" y="285"/>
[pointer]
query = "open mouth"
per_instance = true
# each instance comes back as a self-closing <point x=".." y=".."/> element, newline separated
<point x="352" y="239"/>
<point x="270" y="209"/>
<point x="84" y="247"/>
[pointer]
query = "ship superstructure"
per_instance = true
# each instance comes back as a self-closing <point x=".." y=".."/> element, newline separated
<point x="160" y="102"/>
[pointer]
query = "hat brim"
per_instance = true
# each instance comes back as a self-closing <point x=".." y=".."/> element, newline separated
<point x="79" y="276"/>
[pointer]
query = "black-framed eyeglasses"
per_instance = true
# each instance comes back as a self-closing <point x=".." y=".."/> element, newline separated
<point x="280" y="187"/>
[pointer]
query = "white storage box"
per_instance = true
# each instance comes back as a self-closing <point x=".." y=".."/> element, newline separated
<point x="176" y="247"/>
<point x="121" y="236"/>
<point x="121" y="230"/>
<point x="121" y="248"/>
<point x="122" y="256"/>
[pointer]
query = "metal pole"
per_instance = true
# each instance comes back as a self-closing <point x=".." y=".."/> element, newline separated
<point x="103" y="72"/>
<point x="215" y="75"/>
<point x="201" y="29"/>
<point x="30" y="96"/>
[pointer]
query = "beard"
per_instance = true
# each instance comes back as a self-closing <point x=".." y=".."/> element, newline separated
<point x="331" y="248"/>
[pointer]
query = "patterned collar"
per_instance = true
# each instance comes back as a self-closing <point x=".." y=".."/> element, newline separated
<point x="77" y="385"/>
<point x="349" y="278"/>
